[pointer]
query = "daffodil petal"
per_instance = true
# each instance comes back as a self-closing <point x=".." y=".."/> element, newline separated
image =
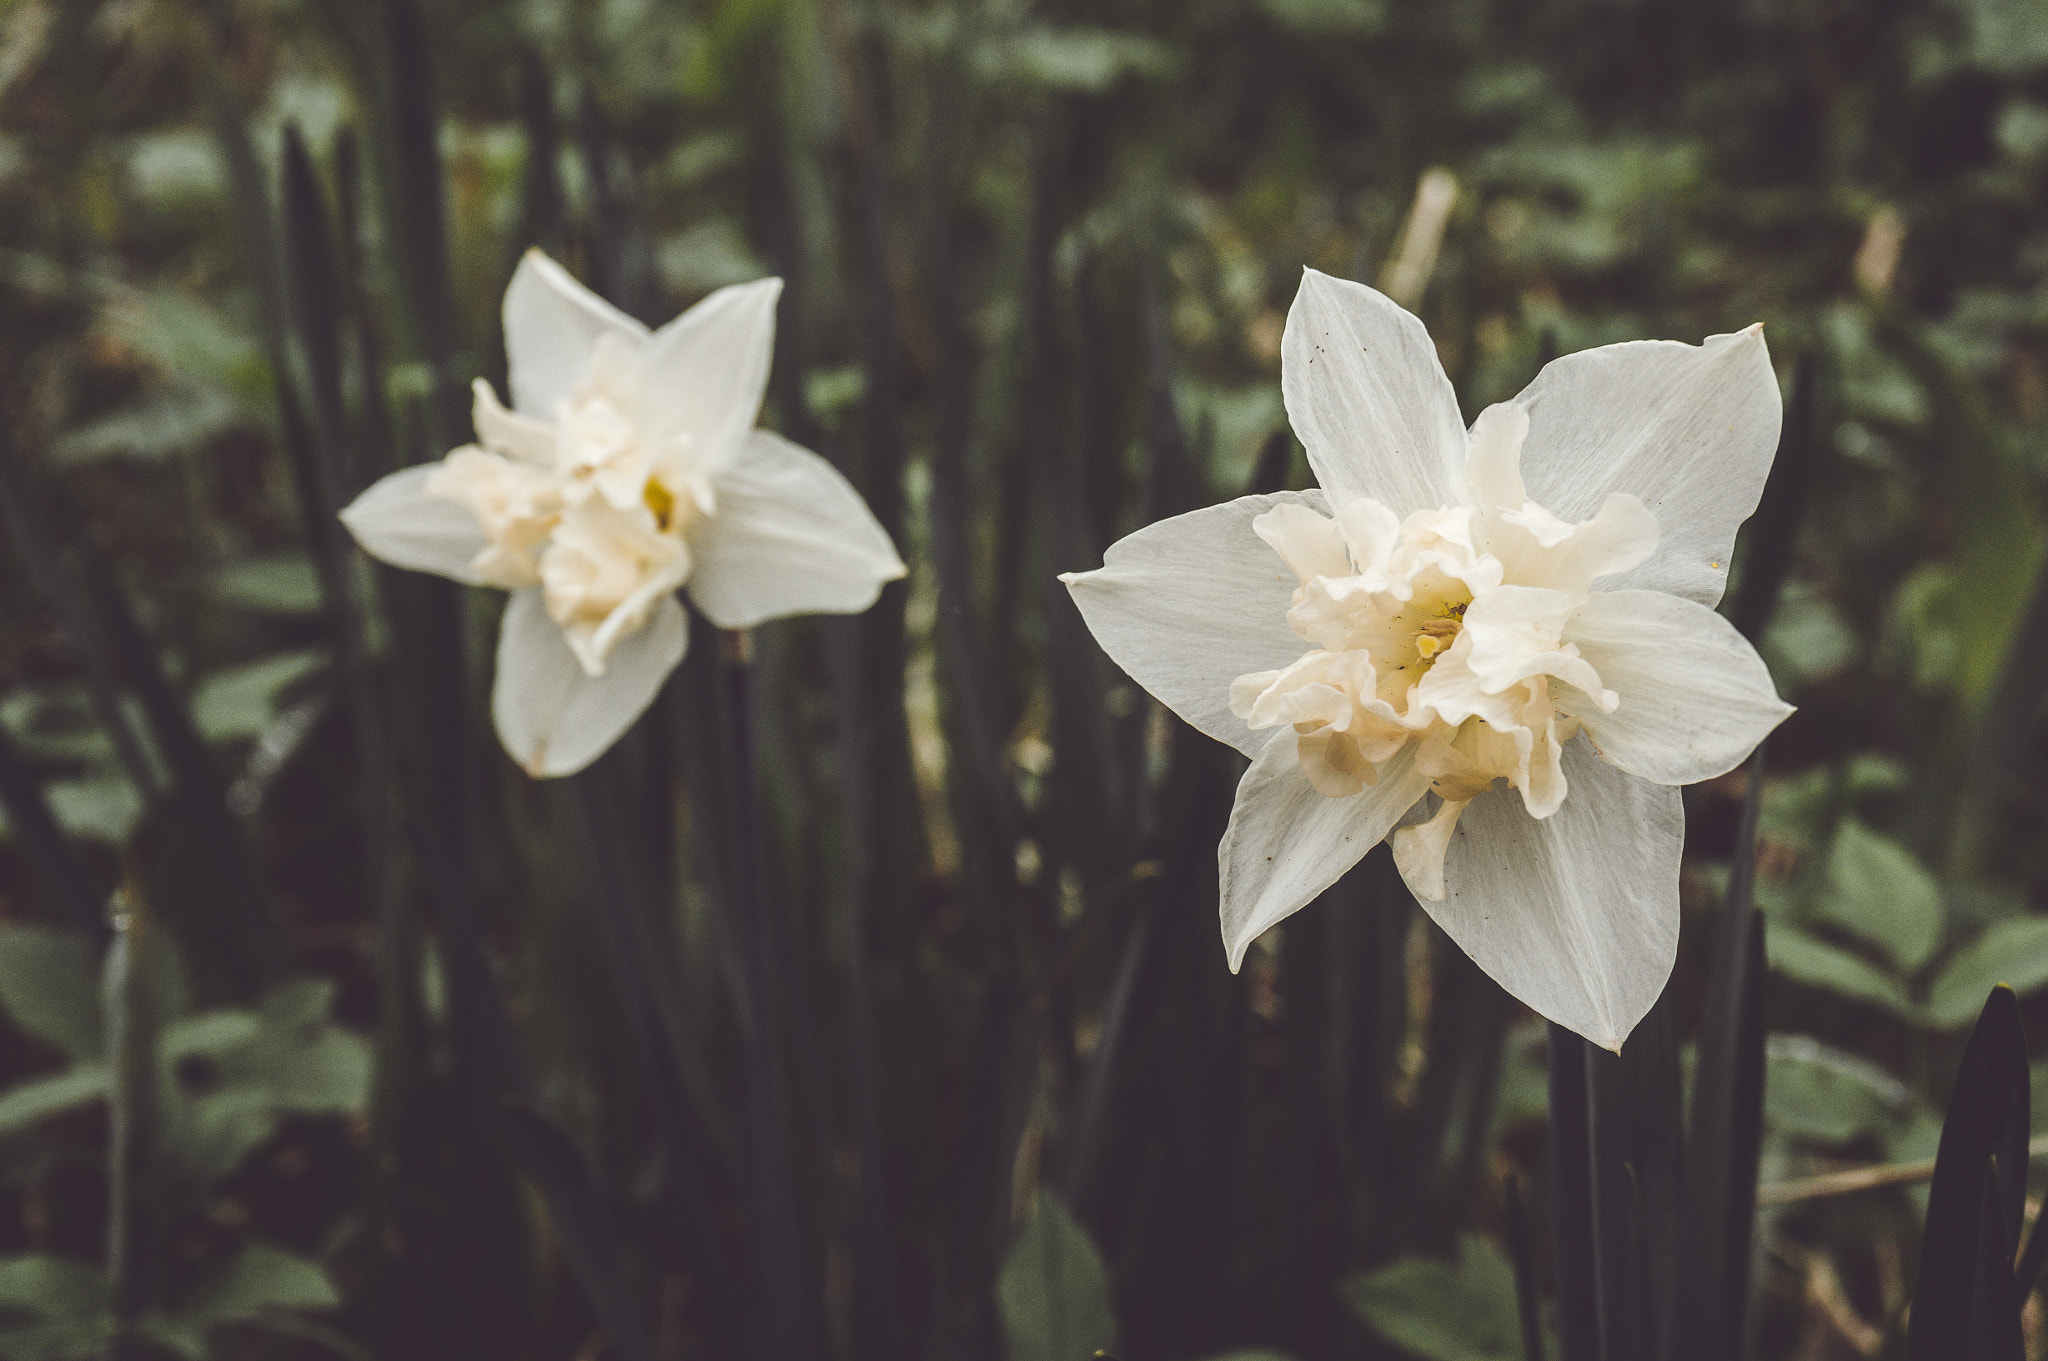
<point x="790" y="536"/>
<point x="1286" y="842"/>
<point x="525" y="438"/>
<point x="395" y="521"/>
<point x="1695" y="697"/>
<point x="705" y="373"/>
<point x="1688" y="429"/>
<point x="1189" y="604"/>
<point x="552" y="323"/>
<point x="1369" y="399"/>
<point x="554" y="719"/>
<point x="1575" y="914"/>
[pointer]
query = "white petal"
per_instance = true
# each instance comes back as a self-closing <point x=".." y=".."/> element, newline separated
<point x="552" y="323"/>
<point x="395" y="521"/>
<point x="1688" y="429"/>
<point x="1311" y="545"/>
<point x="554" y="719"/>
<point x="1419" y="850"/>
<point x="1493" y="465"/>
<point x="1188" y="604"/>
<point x="1576" y="914"/>
<point x="1368" y="397"/>
<point x="705" y="372"/>
<point x="790" y="536"/>
<point x="1286" y="843"/>
<point x="1695" y="697"/>
<point x="524" y="438"/>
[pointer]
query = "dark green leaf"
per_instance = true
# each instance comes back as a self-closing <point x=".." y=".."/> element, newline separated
<point x="49" y="983"/>
<point x="254" y="1281"/>
<point x="1803" y="959"/>
<point x="2014" y="953"/>
<point x="1879" y="892"/>
<point x="1443" y="1311"/>
<point x="1814" y="1091"/>
<point x="37" y="1098"/>
<point x="1053" y="1291"/>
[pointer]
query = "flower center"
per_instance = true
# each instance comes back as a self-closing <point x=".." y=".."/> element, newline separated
<point x="1439" y="632"/>
<point x="661" y="501"/>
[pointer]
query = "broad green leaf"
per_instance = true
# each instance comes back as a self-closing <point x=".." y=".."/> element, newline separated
<point x="156" y="427"/>
<point x="1053" y="1292"/>
<point x="211" y="1034"/>
<point x="82" y="1339"/>
<point x="24" y="1104"/>
<point x="1087" y="59"/>
<point x="256" y="1280"/>
<point x="281" y="586"/>
<point x="1328" y="16"/>
<point x="53" y="1287"/>
<point x="96" y="807"/>
<point x="328" y="1076"/>
<point x="706" y="256"/>
<point x="1807" y="640"/>
<point x="241" y="701"/>
<point x="49" y="983"/>
<point x="1813" y="1091"/>
<point x="207" y="1137"/>
<point x="1879" y="892"/>
<point x="1445" y="1312"/>
<point x="297" y="1004"/>
<point x="1817" y="964"/>
<point x="2010" y="952"/>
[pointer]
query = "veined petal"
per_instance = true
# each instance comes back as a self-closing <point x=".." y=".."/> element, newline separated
<point x="1493" y="467"/>
<point x="552" y="717"/>
<point x="1695" y="697"/>
<point x="1368" y="397"/>
<point x="1514" y="634"/>
<point x="1622" y="535"/>
<point x="704" y="376"/>
<point x="1575" y="914"/>
<point x="552" y="324"/>
<point x="1311" y="544"/>
<point x="1419" y="850"/>
<point x="1189" y="604"/>
<point x="1286" y="843"/>
<point x="395" y="521"/>
<point x="1688" y="429"/>
<point x="790" y="536"/>
<point x="507" y="432"/>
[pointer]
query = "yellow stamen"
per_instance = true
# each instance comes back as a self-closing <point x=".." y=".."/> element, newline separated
<point x="660" y="500"/>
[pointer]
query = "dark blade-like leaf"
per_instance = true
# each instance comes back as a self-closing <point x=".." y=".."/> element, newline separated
<point x="1727" y="1115"/>
<point x="1571" y="1199"/>
<point x="1995" y="1332"/>
<point x="1521" y="1252"/>
<point x="1637" y="1160"/>
<point x="30" y="524"/>
<point x="1972" y="1230"/>
<point x="73" y="894"/>
<point x="582" y="1225"/>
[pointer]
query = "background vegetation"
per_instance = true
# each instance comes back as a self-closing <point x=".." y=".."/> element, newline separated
<point x="867" y="1002"/>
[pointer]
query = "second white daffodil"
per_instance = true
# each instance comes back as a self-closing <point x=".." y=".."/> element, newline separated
<point x="1497" y="646"/>
<point x="627" y="468"/>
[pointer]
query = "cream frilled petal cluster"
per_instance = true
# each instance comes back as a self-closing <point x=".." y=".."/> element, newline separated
<point x="628" y="468"/>
<point x="1497" y="646"/>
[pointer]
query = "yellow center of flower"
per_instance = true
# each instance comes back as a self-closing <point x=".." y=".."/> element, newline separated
<point x="661" y="501"/>
<point x="1439" y="632"/>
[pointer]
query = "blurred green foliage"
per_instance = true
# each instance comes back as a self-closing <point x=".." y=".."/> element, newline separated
<point x="1039" y="258"/>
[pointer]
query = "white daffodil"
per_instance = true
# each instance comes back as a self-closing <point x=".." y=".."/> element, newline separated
<point x="1497" y="646"/>
<point x="628" y="468"/>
